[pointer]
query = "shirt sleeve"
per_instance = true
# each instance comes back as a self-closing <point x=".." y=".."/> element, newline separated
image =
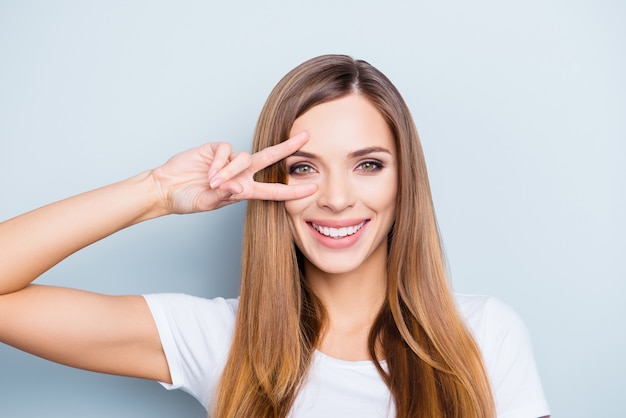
<point x="196" y="334"/>
<point x="507" y="351"/>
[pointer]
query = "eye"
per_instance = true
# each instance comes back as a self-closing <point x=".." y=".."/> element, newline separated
<point x="369" y="166"/>
<point x="301" y="169"/>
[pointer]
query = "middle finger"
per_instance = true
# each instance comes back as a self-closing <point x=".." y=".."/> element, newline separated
<point x="275" y="153"/>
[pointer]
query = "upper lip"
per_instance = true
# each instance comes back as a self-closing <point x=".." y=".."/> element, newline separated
<point x="337" y="223"/>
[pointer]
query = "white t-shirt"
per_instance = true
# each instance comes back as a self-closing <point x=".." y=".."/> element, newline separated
<point x="196" y="335"/>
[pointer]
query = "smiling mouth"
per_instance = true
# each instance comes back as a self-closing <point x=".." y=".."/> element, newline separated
<point x="338" y="233"/>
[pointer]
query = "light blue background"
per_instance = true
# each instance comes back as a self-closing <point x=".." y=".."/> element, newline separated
<point x="520" y="106"/>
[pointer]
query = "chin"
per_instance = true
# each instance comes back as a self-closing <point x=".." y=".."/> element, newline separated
<point x="336" y="264"/>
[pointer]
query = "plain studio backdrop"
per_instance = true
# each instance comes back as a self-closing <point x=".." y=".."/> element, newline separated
<point x="520" y="107"/>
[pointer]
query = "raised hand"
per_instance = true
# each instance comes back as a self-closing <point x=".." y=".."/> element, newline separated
<point x="212" y="176"/>
<point x="57" y="323"/>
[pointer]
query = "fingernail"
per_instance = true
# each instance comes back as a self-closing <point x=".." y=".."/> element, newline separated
<point x="216" y="182"/>
<point x="212" y="172"/>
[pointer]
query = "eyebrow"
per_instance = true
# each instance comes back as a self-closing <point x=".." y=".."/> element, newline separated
<point x="353" y="154"/>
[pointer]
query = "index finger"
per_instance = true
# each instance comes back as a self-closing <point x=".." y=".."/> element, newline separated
<point x="278" y="191"/>
<point x="275" y="153"/>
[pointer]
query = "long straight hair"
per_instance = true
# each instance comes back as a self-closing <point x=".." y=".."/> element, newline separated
<point x="434" y="367"/>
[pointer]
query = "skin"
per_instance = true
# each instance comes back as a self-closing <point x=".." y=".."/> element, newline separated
<point x="59" y="324"/>
<point x="351" y="157"/>
<point x="116" y="334"/>
<point x="348" y="274"/>
<point x="328" y="183"/>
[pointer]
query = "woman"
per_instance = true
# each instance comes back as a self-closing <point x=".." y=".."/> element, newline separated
<point x="344" y="307"/>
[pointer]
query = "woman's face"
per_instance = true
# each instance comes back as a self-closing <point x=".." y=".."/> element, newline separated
<point x="351" y="156"/>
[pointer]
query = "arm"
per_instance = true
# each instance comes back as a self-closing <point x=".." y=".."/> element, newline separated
<point x="34" y="242"/>
<point x="69" y="326"/>
<point x="104" y="333"/>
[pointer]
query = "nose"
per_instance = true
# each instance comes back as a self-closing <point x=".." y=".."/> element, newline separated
<point x="336" y="192"/>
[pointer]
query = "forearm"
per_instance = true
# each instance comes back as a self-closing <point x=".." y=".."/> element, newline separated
<point x="32" y="243"/>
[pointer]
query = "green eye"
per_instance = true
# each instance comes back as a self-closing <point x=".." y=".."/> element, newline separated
<point x="301" y="169"/>
<point x="369" y="166"/>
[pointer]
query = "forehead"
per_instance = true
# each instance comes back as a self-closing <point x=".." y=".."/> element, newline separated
<point x="350" y="122"/>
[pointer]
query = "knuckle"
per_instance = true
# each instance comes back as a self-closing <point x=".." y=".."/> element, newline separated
<point x="224" y="147"/>
<point x="246" y="159"/>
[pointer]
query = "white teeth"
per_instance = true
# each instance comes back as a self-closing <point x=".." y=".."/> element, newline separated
<point x="338" y="232"/>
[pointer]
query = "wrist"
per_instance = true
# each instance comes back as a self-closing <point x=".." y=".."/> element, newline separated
<point x="156" y="202"/>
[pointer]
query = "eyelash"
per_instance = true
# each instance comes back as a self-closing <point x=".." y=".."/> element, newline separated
<point x="294" y="169"/>
<point x="375" y="166"/>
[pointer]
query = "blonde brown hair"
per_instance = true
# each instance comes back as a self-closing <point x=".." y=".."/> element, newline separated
<point x="434" y="366"/>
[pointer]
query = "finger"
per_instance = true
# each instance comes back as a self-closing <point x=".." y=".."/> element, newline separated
<point x="238" y="163"/>
<point x="226" y="194"/>
<point x="275" y="153"/>
<point x="278" y="191"/>
<point x="229" y="189"/>
<point x="220" y="158"/>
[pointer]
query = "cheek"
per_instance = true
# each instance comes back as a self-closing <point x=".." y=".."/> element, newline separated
<point x="294" y="209"/>
<point x="384" y="205"/>
<point x="381" y="196"/>
<point x="296" y="231"/>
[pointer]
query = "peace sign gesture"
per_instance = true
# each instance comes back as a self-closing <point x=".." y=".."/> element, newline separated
<point x="211" y="176"/>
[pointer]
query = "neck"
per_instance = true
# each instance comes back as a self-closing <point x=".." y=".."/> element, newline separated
<point x="352" y="301"/>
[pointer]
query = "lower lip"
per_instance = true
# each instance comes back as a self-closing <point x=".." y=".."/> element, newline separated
<point x="338" y="243"/>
